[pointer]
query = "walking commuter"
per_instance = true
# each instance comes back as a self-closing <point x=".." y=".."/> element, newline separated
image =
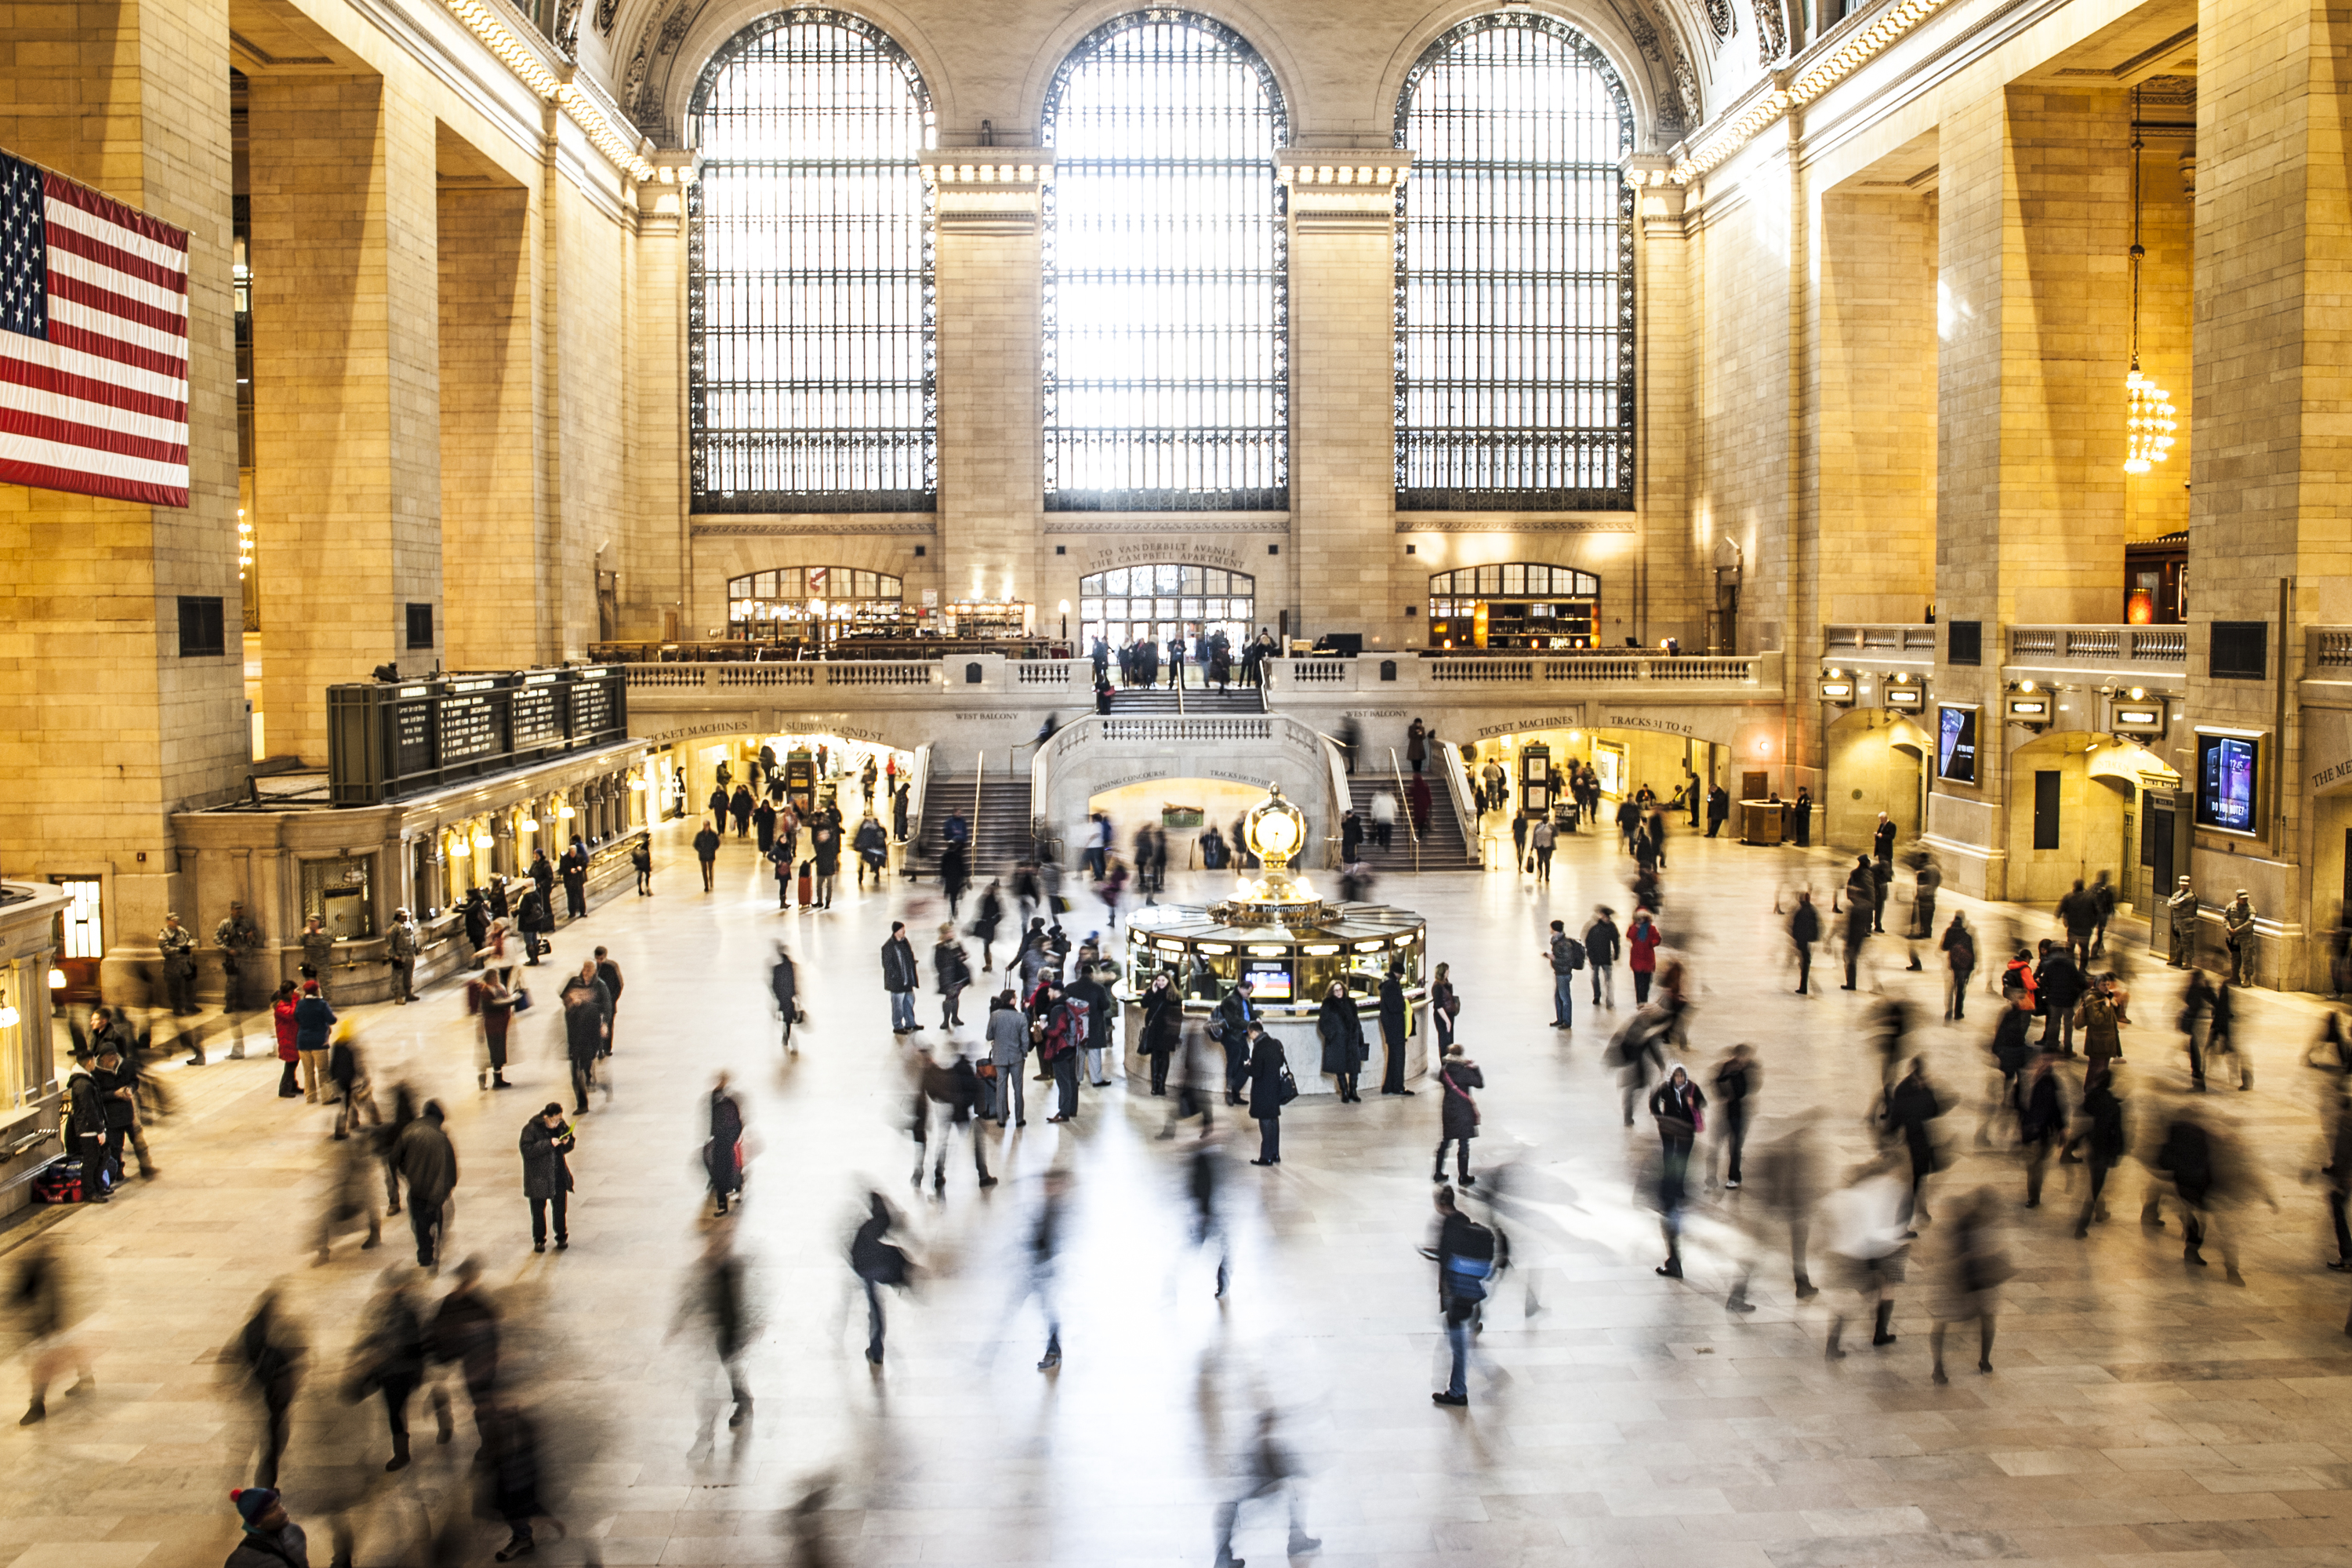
<point x="1341" y="1029"/>
<point x="1231" y="1029"/>
<point x="1601" y="945"/>
<point x="1858" y="917"/>
<point x="1088" y="992"/>
<point x="587" y="1027"/>
<point x="641" y="861"/>
<point x="389" y="1358"/>
<point x="722" y="1152"/>
<point x="984" y="924"/>
<point x="2221" y="1034"/>
<point x="1864" y="1222"/>
<point x="1267" y="1469"/>
<point x="536" y="918"/>
<point x="2058" y="984"/>
<point x="1270" y="1087"/>
<point x="1063" y="1037"/>
<point x="547" y="1142"/>
<point x="1679" y="1108"/>
<point x="824" y="851"/>
<point x="956" y="1088"/>
<point x="1384" y="817"/>
<point x="1457" y="1082"/>
<point x="349" y="1076"/>
<point x="608" y="972"/>
<point x="1960" y="949"/>
<point x="117" y="1082"/>
<point x="426" y="1162"/>
<point x="574" y="872"/>
<point x="1163" y="1025"/>
<point x="899" y="979"/>
<point x="1735" y="1083"/>
<point x="1519" y="843"/>
<point x="1969" y="1281"/>
<point x="878" y="1263"/>
<point x="2078" y="911"/>
<point x="1416" y="747"/>
<point x="2103" y="1149"/>
<point x="783" y="985"/>
<point x="2195" y="1020"/>
<point x="1541" y="841"/>
<point x="1566" y="955"/>
<point x="951" y="969"/>
<point x="1804" y="929"/>
<point x="706" y="850"/>
<point x="1465" y="1252"/>
<point x="1911" y="1104"/>
<point x="1642" y="940"/>
<point x="493" y="1002"/>
<point x="1045" y="1243"/>
<point x="270" y="1348"/>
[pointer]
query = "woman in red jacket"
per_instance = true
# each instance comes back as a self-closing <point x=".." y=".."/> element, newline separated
<point x="281" y="1012"/>
<point x="1642" y="940"/>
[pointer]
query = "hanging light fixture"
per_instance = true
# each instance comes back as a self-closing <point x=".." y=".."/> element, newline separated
<point x="2147" y="407"/>
<point x="7" y="1013"/>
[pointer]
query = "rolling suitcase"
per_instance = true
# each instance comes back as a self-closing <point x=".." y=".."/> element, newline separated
<point x="807" y="893"/>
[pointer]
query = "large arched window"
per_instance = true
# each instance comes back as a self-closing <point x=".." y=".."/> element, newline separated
<point x="810" y="303"/>
<point x="1167" y="376"/>
<point x="1154" y="604"/>
<point x="1515" y="274"/>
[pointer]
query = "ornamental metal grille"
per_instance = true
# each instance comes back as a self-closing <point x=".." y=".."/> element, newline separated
<point x="810" y="340"/>
<point x="1166" y="354"/>
<point x="1515" y="274"/>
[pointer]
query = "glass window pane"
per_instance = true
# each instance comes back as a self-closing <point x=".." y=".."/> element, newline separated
<point x="1490" y="580"/>
<point x="1515" y="578"/>
<point x="1165" y="249"/>
<point x="788" y="583"/>
<point x="1213" y="582"/>
<point x="810" y="380"/>
<point x="1188" y="608"/>
<point x="1191" y="581"/>
<point x="1115" y="582"/>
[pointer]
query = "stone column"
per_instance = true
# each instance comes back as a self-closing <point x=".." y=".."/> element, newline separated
<point x="490" y="481"/>
<point x="2034" y="225"/>
<point x="347" y="481"/>
<point x="1350" y="571"/>
<point x="105" y="728"/>
<point x="988" y="265"/>
<point x="1679" y="592"/>
<point x="2269" y="505"/>
<point x="653" y="564"/>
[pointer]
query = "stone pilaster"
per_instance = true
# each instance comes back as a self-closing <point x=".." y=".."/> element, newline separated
<point x="488" y="480"/>
<point x="104" y="727"/>
<point x="347" y="420"/>
<point x="988" y="264"/>
<point x="1350" y="573"/>
<point x="1679" y="592"/>
<point x="653" y="589"/>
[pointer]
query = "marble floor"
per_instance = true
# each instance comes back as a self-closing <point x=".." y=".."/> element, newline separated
<point x="2141" y="1410"/>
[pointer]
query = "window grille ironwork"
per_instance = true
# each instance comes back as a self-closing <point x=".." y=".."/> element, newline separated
<point x="1167" y="377"/>
<point x="1154" y="604"/>
<point x="1515" y="274"/>
<point x="810" y="325"/>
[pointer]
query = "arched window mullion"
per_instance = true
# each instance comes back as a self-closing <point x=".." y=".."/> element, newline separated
<point x="1515" y="325"/>
<point x="1166" y="369"/>
<point x="811" y="347"/>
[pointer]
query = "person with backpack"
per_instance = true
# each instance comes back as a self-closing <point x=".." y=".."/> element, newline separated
<point x="1457" y="1114"/>
<point x="1566" y="955"/>
<point x="1465" y="1252"/>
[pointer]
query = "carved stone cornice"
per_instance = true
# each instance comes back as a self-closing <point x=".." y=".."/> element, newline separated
<point x="1335" y="192"/>
<point x="987" y="190"/>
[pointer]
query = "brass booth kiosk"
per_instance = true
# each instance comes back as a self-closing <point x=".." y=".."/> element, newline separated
<point x="1291" y="946"/>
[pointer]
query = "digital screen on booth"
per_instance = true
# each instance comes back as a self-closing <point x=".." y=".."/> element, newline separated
<point x="2226" y="770"/>
<point x="1269" y="979"/>
<point x="1955" y="744"/>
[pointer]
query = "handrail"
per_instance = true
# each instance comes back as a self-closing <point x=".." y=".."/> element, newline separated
<point x="1179" y="688"/>
<point x="1457" y="787"/>
<point x="1343" y="798"/>
<point x="971" y="828"/>
<point x="1404" y="808"/>
<point x="918" y="787"/>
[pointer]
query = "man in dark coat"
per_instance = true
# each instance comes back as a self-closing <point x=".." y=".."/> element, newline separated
<point x="465" y="1331"/>
<point x="85" y="1131"/>
<point x="1235" y="1014"/>
<point x="1458" y="1079"/>
<point x="425" y="1160"/>
<point x="587" y="1024"/>
<point x="706" y="849"/>
<point x="1091" y="994"/>
<point x="1393" y="1032"/>
<point x="2058" y="985"/>
<point x="784" y="981"/>
<point x="740" y="803"/>
<point x="546" y="1175"/>
<point x="1718" y="809"/>
<point x="1340" y="1028"/>
<point x="576" y="878"/>
<point x="1911" y="1104"/>
<point x="1269" y="1073"/>
<point x="537" y="918"/>
<point x="899" y="978"/>
<point x="118" y="1088"/>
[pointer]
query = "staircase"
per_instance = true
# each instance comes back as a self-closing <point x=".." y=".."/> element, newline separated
<point x="1442" y="848"/>
<point x="1141" y="701"/>
<point x="1000" y="837"/>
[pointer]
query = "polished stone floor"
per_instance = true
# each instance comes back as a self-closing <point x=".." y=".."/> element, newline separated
<point x="2141" y="1410"/>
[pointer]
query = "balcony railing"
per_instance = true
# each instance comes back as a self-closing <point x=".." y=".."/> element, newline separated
<point x="2330" y="651"/>
<point x="2160" y="649"/>
<point x="1536" y="669"/>
<point x="1881" y="641"/>
<point x="909" y="675"/>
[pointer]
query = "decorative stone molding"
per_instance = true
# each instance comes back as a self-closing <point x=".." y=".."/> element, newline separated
<point x="1184" y="523"/>
<point x="784" y="529"/>
<point x="1411" y="522"/>
<point x="987" y="190"/>
<point x="1339" y="193"/>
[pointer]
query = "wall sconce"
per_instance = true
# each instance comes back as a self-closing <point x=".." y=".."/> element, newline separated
<point x="7" y="1012"/>
<point x="529" y="825"/>
<point x="483" y="840"/>
<point x="57" y="979"/>
<point x="460" y="849"/>
<point x="564" y="811"/>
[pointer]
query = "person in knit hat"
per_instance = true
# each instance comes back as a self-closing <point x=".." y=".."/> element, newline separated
<point x="271" y="1539"/>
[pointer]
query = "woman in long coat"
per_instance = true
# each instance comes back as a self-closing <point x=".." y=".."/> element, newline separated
<point x="1163" y="1027"/>
<point x="1269" y="1074"/>
<point x="1396" y="1026"/>
<point x="1342" y="1028"/>
<point x="1444" y="1003"/>
<point x="1458" y="1113"/>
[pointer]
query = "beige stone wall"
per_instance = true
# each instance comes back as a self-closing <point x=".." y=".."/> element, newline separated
<point x="103" y="727"/>
<point x="489" y="481"/>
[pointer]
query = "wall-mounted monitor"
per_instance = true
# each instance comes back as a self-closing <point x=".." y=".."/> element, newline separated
<point x="1270" y="979"/>
<point x="1955" y="742"/>
<point x="2228" y="775"/>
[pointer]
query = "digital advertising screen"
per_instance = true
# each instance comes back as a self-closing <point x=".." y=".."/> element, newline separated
<point x="1955" y="744"/>
<point x="2227" y="767"/>
<point x="1269" y="979"/>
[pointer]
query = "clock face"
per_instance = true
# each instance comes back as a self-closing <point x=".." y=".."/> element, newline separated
<point x="1276" y="833"/>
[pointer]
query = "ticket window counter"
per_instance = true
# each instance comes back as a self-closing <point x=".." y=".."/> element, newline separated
<point x="338" y="891"/>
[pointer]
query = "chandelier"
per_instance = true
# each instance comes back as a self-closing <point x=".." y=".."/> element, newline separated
<point x="2147" y="407"/>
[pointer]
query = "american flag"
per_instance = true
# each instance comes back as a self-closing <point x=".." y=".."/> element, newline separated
<point x="93" y="342"/>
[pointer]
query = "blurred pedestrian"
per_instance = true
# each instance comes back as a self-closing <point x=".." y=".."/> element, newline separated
<point x="389" y="1358"/>
<point x="1045" y="1243"/>
<point x="587" y="1024"/>
<point x="348" y="1073"/>
<point x="899" y="979"/>
<point x="955" y="1088"/>
<point x="783" y="985"/>
<point x="716" y="1300"/>
<point x="269" y="1538"/>
<point x="722" y="1152"/>
<point x="351" y="1200"/>
<point x="1642" y="940"/>
<point x="608" y="972"/>
<point x="1267" y="1467"/>
<point x="1735" y="1083"/>
<point x="984" y="923"/>
<point x="1864" y="1224"/>
<point x="48" y="1313"/>
<point x="1968" y="1284"/>
<point x="2103" y="1139"/>
<point x="1960" y="949"/>
<point x="515" y="1460"/>
<point x="1163" y="1024"/>
<point x="426" y="1161"/>
<point x="2195" y="1020"/>
<point x="1204" y="1186"/>
<point x="1457" y="1080"/>
<point x="289" y="1051"/>
<point x="1679" y="1108"/>
<point x="116" y="1079"/>
<point x="547" y="1142"/>
<point x="951" y="969"/>
<point x="269" y="1348"/>
<point x="878" y="1263"/>
<point x="464" y="1333"/>
<point x="2041" y="1123"/>
<point x="1804" y="929"/>
<point x="1465" y="1252"/>
<point x="1912" y="1104"/>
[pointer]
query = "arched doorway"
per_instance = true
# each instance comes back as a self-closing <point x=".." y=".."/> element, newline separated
<point x="1874" y="761"/>
<point x="2074" y="801"/>
<point x="1153" y="603"/>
